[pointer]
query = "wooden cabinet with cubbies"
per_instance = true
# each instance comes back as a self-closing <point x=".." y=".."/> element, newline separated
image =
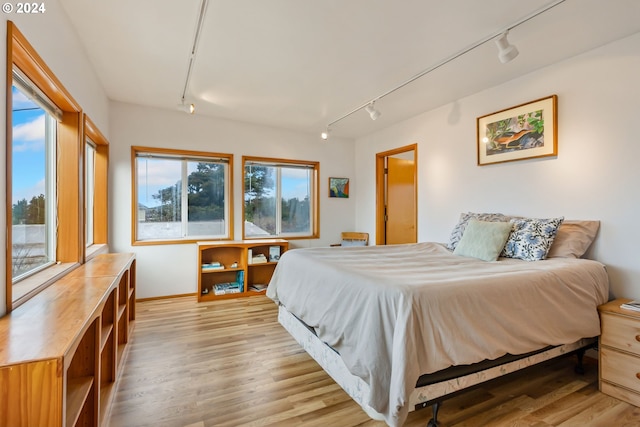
<point x="81" y="394"/>
<point x="61" y="351"/>
<point x="108" y="359"/>
<point x="230" y="269"/>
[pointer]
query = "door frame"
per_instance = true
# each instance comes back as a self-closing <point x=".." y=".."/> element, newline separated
<point x="380" y="188"/>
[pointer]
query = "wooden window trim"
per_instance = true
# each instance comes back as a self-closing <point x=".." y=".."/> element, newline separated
<point x="134" y="193"/>
<point x="315" y="232"/>
<point x="69" y="251"/>
<point x="21" y="54"/>
<point x="70" y="193"/>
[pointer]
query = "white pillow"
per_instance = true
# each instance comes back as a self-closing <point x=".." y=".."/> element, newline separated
<point x="349" y="242"/>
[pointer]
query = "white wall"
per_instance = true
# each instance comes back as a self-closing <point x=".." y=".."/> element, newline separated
<point x="171" y="269"/>
<point x="56" y="42"/>
<point x="594" y="176"/>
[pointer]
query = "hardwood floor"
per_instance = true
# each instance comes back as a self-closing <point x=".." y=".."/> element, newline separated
<point x="230" y="363"/>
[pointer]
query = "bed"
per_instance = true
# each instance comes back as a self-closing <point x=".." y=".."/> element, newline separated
<point x="384" y="320"/>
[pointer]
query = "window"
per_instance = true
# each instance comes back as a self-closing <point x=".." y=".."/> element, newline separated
<point x="280" y="198"/>
<point x="43" y="174"/>
<point x="33" y="180"/>
<point x="96" y="152"/>
<point x="89" y="190"/>
<point x="181" y="195"/>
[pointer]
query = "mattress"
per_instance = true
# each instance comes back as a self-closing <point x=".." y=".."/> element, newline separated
<point x="396" y="312"/>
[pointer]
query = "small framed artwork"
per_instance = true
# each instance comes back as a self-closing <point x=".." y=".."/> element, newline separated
<point x="525" y="131"/>
<point x="339" y="187"/>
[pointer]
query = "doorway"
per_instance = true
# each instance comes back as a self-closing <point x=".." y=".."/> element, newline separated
<point x="396" y="194"/>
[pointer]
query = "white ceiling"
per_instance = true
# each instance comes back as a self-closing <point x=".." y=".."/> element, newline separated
<point x="301" y="64"/>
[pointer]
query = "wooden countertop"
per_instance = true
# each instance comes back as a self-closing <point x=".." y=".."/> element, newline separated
<point x="46" y="326"/>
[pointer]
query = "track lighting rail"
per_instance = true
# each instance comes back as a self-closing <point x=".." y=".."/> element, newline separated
<point x="500" y="34"/>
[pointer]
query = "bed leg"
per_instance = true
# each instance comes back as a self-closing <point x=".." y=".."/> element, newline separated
<point x="579" y="369"/>
<point x="433" y="422"/>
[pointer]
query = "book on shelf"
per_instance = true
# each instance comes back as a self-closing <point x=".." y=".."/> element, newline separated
<point x="258" y="287"/>
<point x="631" y="305"/>
<point x="227" y="288"/>
<point x="259" y="259"/>
<point x="208" y="266"/>
<point x="240" y="279"/>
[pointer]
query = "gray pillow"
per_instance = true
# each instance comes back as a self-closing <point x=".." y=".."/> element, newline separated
<point x="483" y="239"/>
<point x="573" y="239"/>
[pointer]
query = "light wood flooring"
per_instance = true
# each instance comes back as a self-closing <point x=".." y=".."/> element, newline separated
<point x="230" y="363"/>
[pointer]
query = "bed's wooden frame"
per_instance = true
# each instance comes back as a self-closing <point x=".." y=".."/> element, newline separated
<point x="434" y="392"/>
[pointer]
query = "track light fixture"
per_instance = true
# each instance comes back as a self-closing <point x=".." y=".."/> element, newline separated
<point x="506" y="51"/>
<point x="373" y="113"/>
<point x="187" y="108"/>
<point x="325" y="135"/>
<point x="191" y="108"/>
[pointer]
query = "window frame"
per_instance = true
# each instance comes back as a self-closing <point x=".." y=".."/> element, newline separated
<point x="69" y="217"/>
<point x="186" y="155"/>
<point x="100" y="229"/>
<point x="89" y="190"/>
<point x="314" y="197"/>
<point x="50" y="175"/>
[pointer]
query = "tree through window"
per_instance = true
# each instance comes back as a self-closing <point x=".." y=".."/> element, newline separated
<point x="33" y="217"/>
<point x="181" y="195"/>
<point x="280" y="198"/>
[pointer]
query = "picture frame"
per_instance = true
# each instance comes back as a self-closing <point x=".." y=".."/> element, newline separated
<point x="339" y="187"/>
<point x="526" y="131"/>
<point x="274" y="253"/>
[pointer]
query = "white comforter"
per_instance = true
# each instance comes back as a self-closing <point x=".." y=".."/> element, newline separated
<point x="396" y="312"/>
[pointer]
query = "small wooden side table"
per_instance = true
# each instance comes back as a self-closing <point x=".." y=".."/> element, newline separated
<point x="619" y="360"/>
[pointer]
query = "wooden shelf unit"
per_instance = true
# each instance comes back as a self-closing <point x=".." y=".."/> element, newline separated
<point x="229" y="252"/>
<point x="58" y="351"/>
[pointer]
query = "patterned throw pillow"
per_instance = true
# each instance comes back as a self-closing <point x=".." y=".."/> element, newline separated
<point x="531" y="238"/>
<point x="458" y="230"/>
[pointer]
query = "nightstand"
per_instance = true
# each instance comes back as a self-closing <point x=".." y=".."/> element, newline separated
<point x="620" y="352"/>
